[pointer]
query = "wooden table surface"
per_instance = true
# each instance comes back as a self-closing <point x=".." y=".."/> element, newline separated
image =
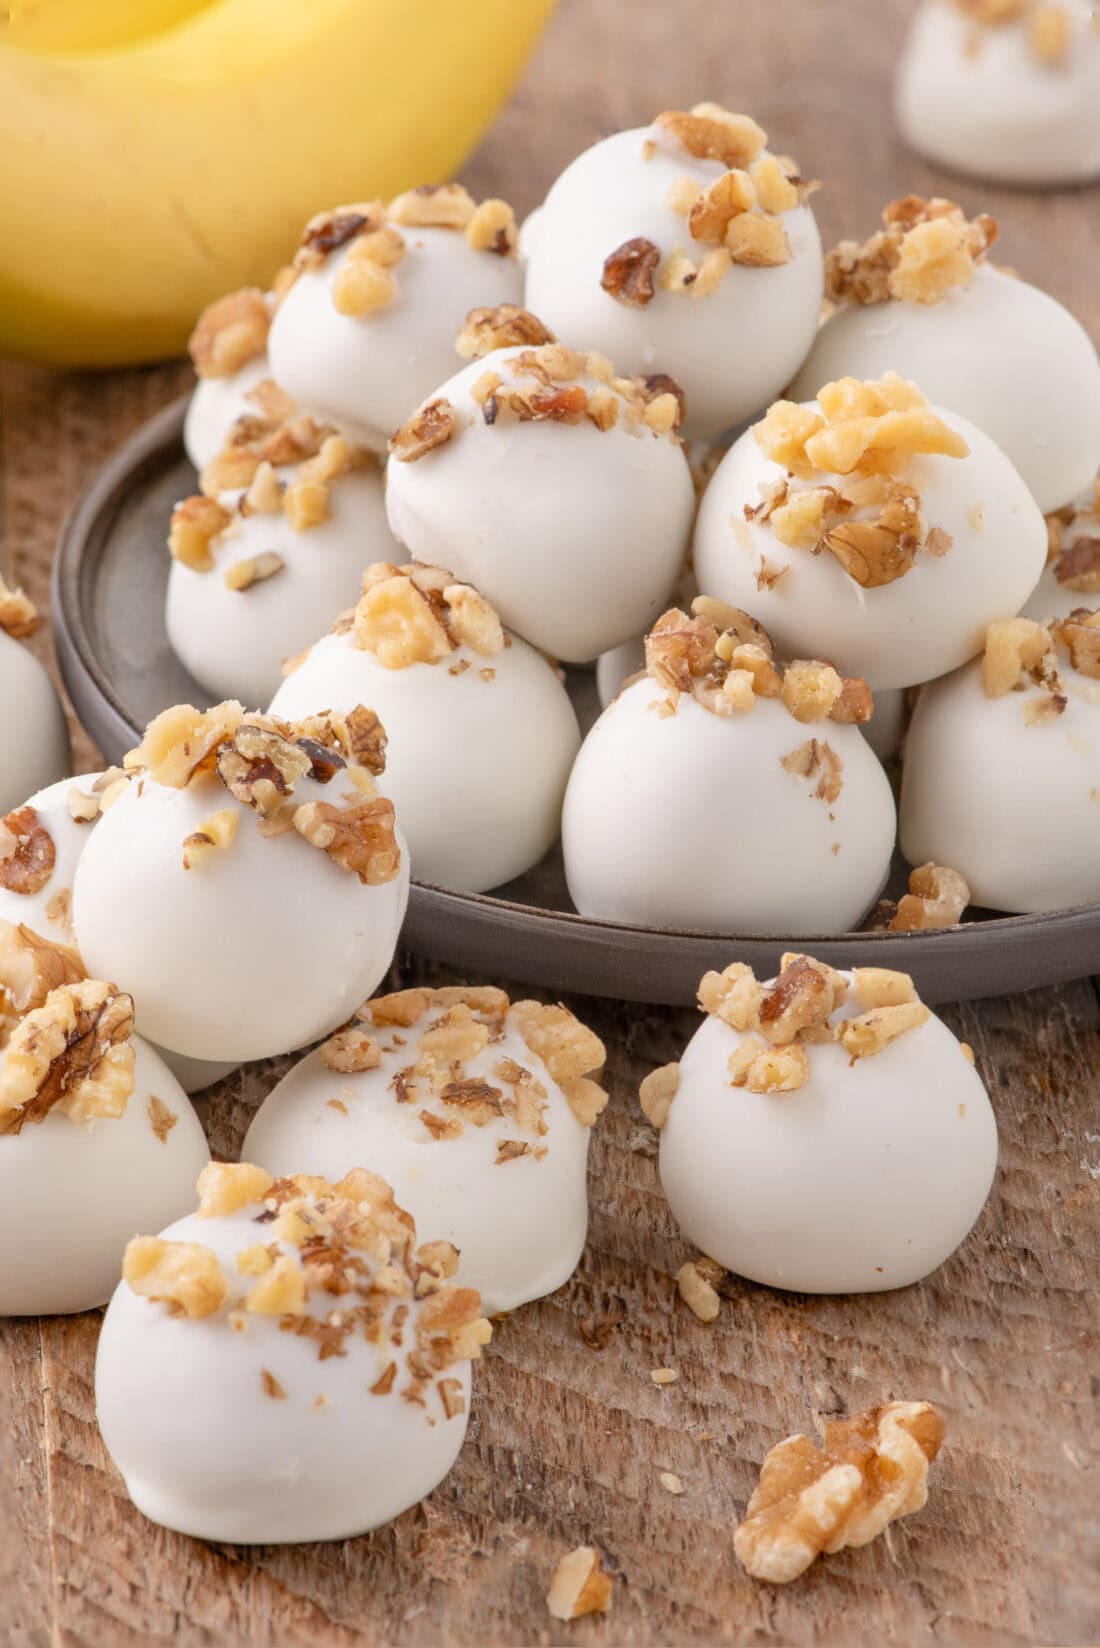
<point x="566" y="1442"/>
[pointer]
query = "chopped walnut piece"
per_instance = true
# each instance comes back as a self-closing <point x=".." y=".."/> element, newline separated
<point x="226" y="1187"/>
<point x="1050" y="33"/>
<point x="182" y="741"/>
<point x="698" y="1293"/>
<point x="817" y="759"/>
<point x="358" y="836"/>
<point x="196" y="523"/>
<point x="230" y="332"/>
<point x="869" y="1471"/>
<point x="586" y="1099"/>
<point x="663" y="1376"/>
<point x="1077" y="566"/>
<point x="579" y="1585"/>
<point x="1079" y="633"/>
<point x="758" y="242"/>
<point x="800" y="1001"/>
<point x="868" y="1033"/>
<point x="657" y="1091"/>
<point x="73" y="1052"/>
<point x="937" y="897"/>
<point x="305" y="504"/>
<point x="433" y="206"/>
<point x="399" y="624"/>
<point x="185" y="1276"/>
<point x="215" y="834"/>
<point x="763" y="1069"/>
<point x="362" y="286"/>
<point x="259" y="766"/>
<point x="628" y="272"/>
<point x="405" y="1008"/>
<point x="712" y="133"/>
<point x="350" y="1051"/>
<point x="734" y="996"/>
<point x="27" y="852"/>
<point x="487" y="329"/>
<point x="883" y="987"/>
<point x="925" y="249"/>
<point x="31" y="967"/>
<point x="472" y="621"/>
<point x="429" y="427"/>
<point x="1014" y="647"/>
<point x="161" y="1119"/>
<point x="253" y="569"/>
<point x="715" y="207"/>
<point x="18" y="617"/>
<point x="566" y="1046"/>
<point x="811" y="690"/>
<point x="271" y="1386"/>
<point x="713" y="269"/>
<point x="776" y="191"/>
<point x="874" y="553"/>
<point x="493" y="229"/>
<point x="328" y="231"/>
<point x="280" y="1291"/>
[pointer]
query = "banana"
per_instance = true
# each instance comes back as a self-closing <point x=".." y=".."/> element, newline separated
<point x="157" y="153"/>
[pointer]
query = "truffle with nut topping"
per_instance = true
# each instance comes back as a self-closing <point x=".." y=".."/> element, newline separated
<point x="823" y="1131"/>
<point x="560" y="490"/>
<point x="97" y="1137"/>
<point x="921" y="297"/>
<point x="251" y="876"/>
<point x="40" y="844"/>
<point x="1002" y="767"/>
<point x="229" y="353"/>
<point x="289" y="515"/>
<point x="683" y="247"/>
<point x="34" y="742"/>
<point x="481" y="731"/>
<point x="476" y="1109"/>
<point x="1071" y="577"/>
<point x="872" y="528"/>
<point x="1003" y="89"/>
<point x="725" y="793"/>
<point x="290" y="1362"/>
<point x="367" y="328"/>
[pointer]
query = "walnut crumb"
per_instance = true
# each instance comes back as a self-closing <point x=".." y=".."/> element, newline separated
<point x="185" y="1276"/>
<point x="430" y="427"/>
<point x="18" y="617"/>
<point x="663" y="1376"/>
<point x="697" y="1292"/>
<point x="670" y="1482"/>
<point x="27" y="852"/>
<point x="74" y="1052"/>
<point x="350" y="1051"/>
<point x="230" y="332"/>
<point x="215" y="834"/>
<point x="657" y="1091"/>
<point x="926" y="248"/>
<point x="271" y="1386"/>
<point x="628" y="272"/>
<point x="579" y="1585"/>
<point x="936" y="898"/>
<point x="253" y="569"/>
<point x="505" y="326"/>
<point x="195" y="524"/>
<point x="161" y="1119"/>
<point x="226" y="1187"/>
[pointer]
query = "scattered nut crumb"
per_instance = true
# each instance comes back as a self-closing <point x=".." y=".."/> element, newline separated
<point x="579" y="1585"/>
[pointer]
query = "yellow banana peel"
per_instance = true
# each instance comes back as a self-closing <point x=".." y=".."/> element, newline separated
<point x="156" y="153"/>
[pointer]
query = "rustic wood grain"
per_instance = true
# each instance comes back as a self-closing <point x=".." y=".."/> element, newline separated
<point x="566" y="1442"/>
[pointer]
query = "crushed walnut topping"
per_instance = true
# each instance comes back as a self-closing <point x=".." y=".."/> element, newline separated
<point x="925" y="249"/>
<point x="869" y="431"/>
<point x="936" y="898"/>
<point x="777" y="1022"/>
<point x="1021" y="655"/>
<point x="73" y="1052"/>
<point x="253" y="569"/>
<point x="85" y="806"/>
<point x="1075" y="560"/>
<point x="817" y="760"/>
<point x="431" y="426"/>
<point x="161" y="1119"/>
<point x="215" y="834"/>
<point x="30" y="968"/>
<point x="709" y="132"/>
<point x="628" y="272"/>
<point x="231" y="332"/>
<point x="1079" y="633"/>
<point x="185" y="1276"/>
<point x="418" y="614"/>
<point x="27" y="852"/>
<point x="579" y="1585"/>
<point x="657" y="1092"/>
<point x="723" y="659"/>
<point x="487" y="329"/>
<point x="813" y="1499"/>
<point x="18" y="616"/>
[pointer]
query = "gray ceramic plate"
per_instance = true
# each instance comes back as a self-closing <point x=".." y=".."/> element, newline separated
<point x="109" y="583"/>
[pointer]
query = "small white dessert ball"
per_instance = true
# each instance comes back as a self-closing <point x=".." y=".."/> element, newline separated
<point x="368" y="327"/>
<point x="898" y="589"/>
<point x="477" y="1112"/>
<point x="1003" y="781"/>
<point x="547" y="489"/>
<point x="1071" y="577"/>
<point x="481" y="732"/>
<point x="684" y="247"/>
<point x="88" y="1154"/>
<point x="34" y="741"/>
<point x="248" y="590"/>
<point x="254" y="1390"/>
<point x="687" y="808"/>
<point x="1002" y="353"/>
<point x="277" y="887"/>
<point x="1013" y="101"/>
<point x="844" y="1165"/>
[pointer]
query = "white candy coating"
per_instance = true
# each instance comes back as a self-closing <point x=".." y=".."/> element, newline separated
<point x="689" y="821"/>
<point x="366" y="373"/>
<point x="1015" y="808"/>
<point x="234" y="641"/>
<point x="73" y="1193"/>
<point x="921" y="625"/>
<point x="574" y="534"/>
<point x="34" y="741"/>
<point x="886" y="727"/>
<point x="1001" y="352"/>
<point x="519" y="1225"/>
<point x="866" y="1178"/>
<point x="528" y="233"/>
<point x="215" y="406"/>
<point x="619" y="663"/>
<point x="263" y="947"/>
<point x="203" y="1449"/>
<point x="731" y="351"/>
<point x="979" y="101"/>
<point x="475" y="767"/>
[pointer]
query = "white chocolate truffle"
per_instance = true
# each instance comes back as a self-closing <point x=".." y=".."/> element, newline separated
<point x="476" y="1112"/>
<point x="481" y="732"/>
<point x="368" y="326"/>
<point x="472" y="474"/>
<point x="255" y="1389"/>
<point x="845" y="1165"/>
<point x="684" y="247"/>
<point x="892" y="566"/>
<point x="273" y="866"/>
<point x="97" y="1137"/>
<point x="257" y="573"/>
<point x="34" y="741"/>
<point x="710" y="806"/>
<point x="1013" y="100"/>
<point x="1071" y="577"/>
<point x="1003" y="781"/>
<point x="915" y="300"/>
